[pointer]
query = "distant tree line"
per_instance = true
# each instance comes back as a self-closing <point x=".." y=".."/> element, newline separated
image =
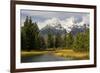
<point x="32" y="40"/>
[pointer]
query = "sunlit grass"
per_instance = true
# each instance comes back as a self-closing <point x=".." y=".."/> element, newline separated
<point x="72" y="54"/>
<point x="32" y="53"/>
<point x="65" y="53"/>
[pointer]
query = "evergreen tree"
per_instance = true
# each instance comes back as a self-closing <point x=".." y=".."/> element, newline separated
<point x="65" y="41"/>
<point x="78" y="43"/>
<point x="26" y="21"/>
<point x="29" y="35"/>
<point x="36" y="35"/>
<point x="23" y="39"/>
<point x="58" y="41"/>
<point x="50" y="40"/>
<point x="42" y="43"/>
<point x="69" y="40"/>
<point x="86" y="39"/>
<point x="81" y="42"/>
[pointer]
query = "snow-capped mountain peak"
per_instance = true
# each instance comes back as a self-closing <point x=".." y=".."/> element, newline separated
<point x="68" y="24"/>
<point x="55" y="23"/>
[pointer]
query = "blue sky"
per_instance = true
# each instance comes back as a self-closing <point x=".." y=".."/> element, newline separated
<point x="41" y="17"/>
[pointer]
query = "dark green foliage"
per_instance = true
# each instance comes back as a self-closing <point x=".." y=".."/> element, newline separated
<point x="50" y="41"/>
<point x="42" y="43"/>
<point x="86" y="39"/>
<point x="81" y="42"/>
<point x="64" y="41"/>
<point x="78" y="43"/>
<point x="58" y="41"/>
<point x="29" y="35"/>
<point x="26" y="21"/>
<point x="23" y="38"/>
<point x="69" y="40"/>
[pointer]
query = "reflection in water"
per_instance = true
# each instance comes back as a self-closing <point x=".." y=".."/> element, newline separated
<point x="42" y="58"/>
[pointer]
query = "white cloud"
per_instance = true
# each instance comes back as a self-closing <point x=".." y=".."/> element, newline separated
<point x="52" y="22"/>
<point x="86" y="19"/>
<point x="66" y="19"/>
<point x="68" y="23"/>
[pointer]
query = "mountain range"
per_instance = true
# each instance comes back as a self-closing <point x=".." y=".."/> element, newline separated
<point x="56" y="28"/>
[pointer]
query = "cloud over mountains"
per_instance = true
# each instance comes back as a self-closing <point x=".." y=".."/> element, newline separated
<point x="67" y="23"/>
<point x="53" y="18"/>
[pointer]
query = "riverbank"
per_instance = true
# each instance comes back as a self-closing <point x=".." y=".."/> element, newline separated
<point x="65" y="53"/>
<point x="77" y="55"/>
<point x="32" y="53"/>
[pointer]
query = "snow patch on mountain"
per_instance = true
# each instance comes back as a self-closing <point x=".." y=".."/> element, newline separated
<point x="67" y="24"/>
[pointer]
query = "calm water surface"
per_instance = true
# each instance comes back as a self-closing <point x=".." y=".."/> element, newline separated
<point x="43" y="58"/>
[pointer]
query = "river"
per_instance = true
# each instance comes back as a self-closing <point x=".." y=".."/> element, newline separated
<point x="42" y="58"/>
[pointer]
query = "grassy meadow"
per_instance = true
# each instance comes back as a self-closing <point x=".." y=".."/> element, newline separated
<point x="65" y="53"/>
